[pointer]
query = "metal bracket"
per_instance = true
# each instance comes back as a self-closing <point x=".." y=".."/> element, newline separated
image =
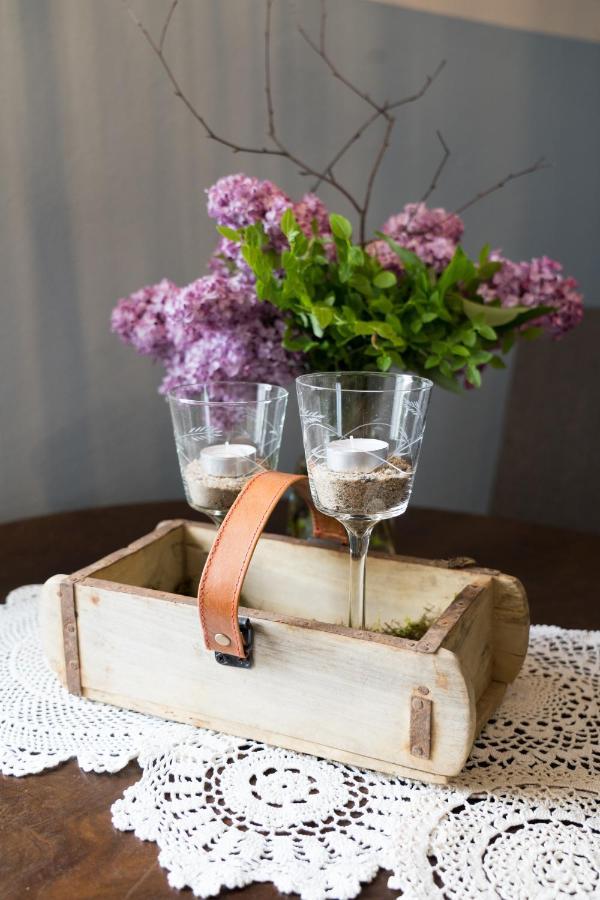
<point x="245" y="662"/>
<point x="70" y="638"/>
<point x="420" y="724"/>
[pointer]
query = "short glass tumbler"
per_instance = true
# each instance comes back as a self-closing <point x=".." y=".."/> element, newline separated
<point x="362" y="437"/>
<point x="225" y="433"/>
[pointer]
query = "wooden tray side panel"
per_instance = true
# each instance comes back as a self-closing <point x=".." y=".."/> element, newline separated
<point x="309" y="580"/>
<point x="510" y="631"/>
<point x="331" y="693"/>
<point x="472" y="642"/>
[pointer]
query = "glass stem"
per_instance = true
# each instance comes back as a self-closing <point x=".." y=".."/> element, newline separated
<point x="359" y="536"/>
<point x="217" y="518"/>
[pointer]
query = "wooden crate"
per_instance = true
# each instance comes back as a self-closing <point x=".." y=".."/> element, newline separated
<point x="126" y="631"/>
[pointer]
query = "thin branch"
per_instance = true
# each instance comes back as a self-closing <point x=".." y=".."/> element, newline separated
<point x="371" y="180"/>
<point x="439" y="170"/>
<point x="305" y="169"/>
<point x="268" y="91"/>
<point x="537" y="166"/>
<point x="422" y="90"/>
<point x="323" y="25"/>
<point x="279" y="148"/>
<point x="165" y="27"/>
<point x="320" y="51"/>
<point x="373" y="118"/>
<point x="156" y="48"/>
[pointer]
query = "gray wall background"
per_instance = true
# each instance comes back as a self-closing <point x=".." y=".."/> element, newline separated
<point x="103" y="174"/>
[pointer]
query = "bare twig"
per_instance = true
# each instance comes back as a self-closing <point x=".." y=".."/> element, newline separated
<point x="236" y="148"/>
<point x="323" y="25"/>
<point x="375" y="115"/>
<point x="306" y="169"/>
<point x="372" y="175"/>
<point x="320" y="51"/>
<point x="439" y="170"/>
<point x="537" y="166"/>
<point x="165" y="27"/>
<point x="422" y="90"/>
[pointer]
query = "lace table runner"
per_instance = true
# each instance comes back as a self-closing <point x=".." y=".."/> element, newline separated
<point x="522" y="821"/>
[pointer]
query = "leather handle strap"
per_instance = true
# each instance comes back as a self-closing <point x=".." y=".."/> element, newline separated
<point x="230" y="555"/>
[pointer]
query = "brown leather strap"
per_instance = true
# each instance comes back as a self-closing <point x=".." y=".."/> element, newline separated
<point x="231" y="552"/>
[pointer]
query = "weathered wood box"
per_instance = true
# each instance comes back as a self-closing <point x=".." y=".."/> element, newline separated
<point x="126" y="631"/>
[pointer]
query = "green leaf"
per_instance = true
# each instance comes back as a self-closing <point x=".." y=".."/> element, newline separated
<point x="473" y="375"/>
<point x="497" y="363"/>
<point x="340" y="227"/>
<point x="492" y="315"/>
<point x="362" y="284"/>
<point x="384" y="362"/>
<point x="356" y="256"/>
<point x="411" y="262"/>
<point x="230" y="233"/>
<point x="481" y="357"/>
<point x="486" y="331"/>
<point x="508" y="341"/>
<point x="385" y="279"/>
<point x="459" y="350"/>
<point x="324" y="315"/>
<point x="432" y="361"/>
<point x="532" y="333"/>
<point x="288" y="223"/>
<point x="316" y="326"/>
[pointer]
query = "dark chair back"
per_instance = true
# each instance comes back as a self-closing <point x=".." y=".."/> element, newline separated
<point x="549" y="466"/>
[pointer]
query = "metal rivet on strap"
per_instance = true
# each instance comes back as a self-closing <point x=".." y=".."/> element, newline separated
<point x="222" y="640"/>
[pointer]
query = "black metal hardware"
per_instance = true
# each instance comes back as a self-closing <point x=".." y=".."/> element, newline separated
<point x="245" y="662"/>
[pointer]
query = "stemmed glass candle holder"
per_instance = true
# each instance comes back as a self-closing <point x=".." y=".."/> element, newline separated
<point x="362" y="436"/>
<point x="225" y="433"/>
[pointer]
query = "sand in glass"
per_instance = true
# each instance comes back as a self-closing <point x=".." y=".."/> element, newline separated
<point x="225" y="432"/>
<point x="362" y="436"/>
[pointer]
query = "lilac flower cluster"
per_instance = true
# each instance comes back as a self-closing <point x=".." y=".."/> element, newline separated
<point x="539" y="282"/>
<point x="433" y="234"/>
<point x="140" y="319"/>
<point x="216" y="328"/>
<point x="212" y="329"/>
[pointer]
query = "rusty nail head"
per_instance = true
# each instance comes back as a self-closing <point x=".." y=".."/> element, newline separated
<point x="416" y="750"/>
<point x="71" y="628"/>
<point x="73" y="664"/>
<point x="422" y="689"/>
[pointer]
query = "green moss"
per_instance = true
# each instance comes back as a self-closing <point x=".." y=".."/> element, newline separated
<point x="412" y="629"/>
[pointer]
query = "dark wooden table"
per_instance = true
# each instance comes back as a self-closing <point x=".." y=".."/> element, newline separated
<point x="57" y="841"/>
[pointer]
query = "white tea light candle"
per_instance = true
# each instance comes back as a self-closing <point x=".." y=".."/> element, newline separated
<point x="228" y="460"/>
<point x="356" y="454"/>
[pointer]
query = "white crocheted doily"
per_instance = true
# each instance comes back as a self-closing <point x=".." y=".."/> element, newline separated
<point x="522" y="822"/>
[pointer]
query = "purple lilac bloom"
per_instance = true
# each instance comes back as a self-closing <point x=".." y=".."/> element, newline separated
<point x="312" y="210"/>
<point x="140" y="319"/>
<point x="539" y="282"/>
<point x="433" y="234"/>
<point x="249" y="351"/>
<point x="238" y="201"/>
<point x="212" y="301"/>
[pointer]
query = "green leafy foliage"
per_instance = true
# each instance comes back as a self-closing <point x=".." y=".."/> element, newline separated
<point x="344" y="311"/>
